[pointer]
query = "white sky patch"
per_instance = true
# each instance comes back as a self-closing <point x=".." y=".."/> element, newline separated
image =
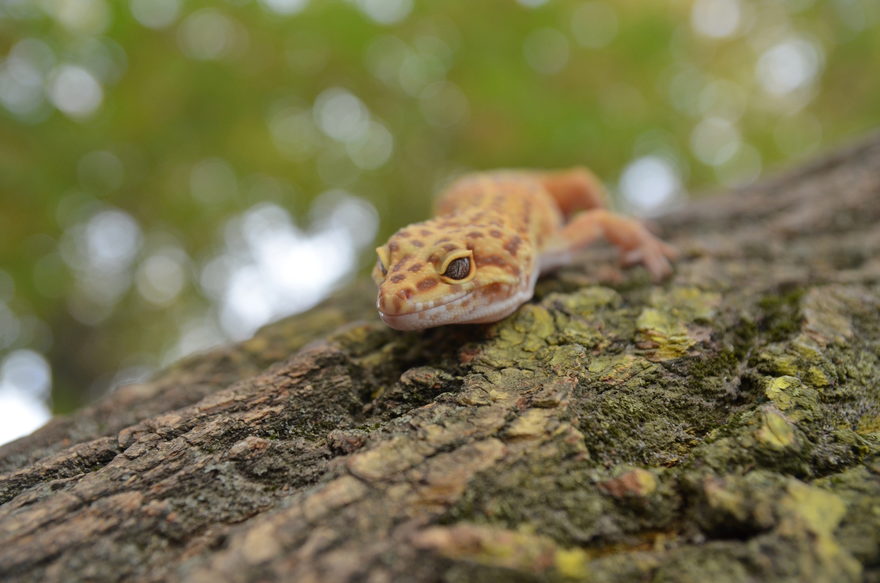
<point x="788" y="65"/>
<point x="22" y="76"/>
<point x="386" y="11"/>
<point x="649" y="183"/>
<point x="112" y="239"/>
<point x="85" y="17"/>
<point x="100" y="250"/>
<point x="25" y="381"/>
<point x="341" y="115"/>
<point x="715" y="140"/>
<point x="374" y="149"/>
<point x="19" y="414"/>
<point x="161" y="276"/>
<point x="75" y="91"/>
<point x="207" y="34"/>
<point x="272" y="268"/>
<point x="156" y="14"/>
<point x="716" y="18"/>
<point x="285" y="7"/>
<point x="21" y="90"/>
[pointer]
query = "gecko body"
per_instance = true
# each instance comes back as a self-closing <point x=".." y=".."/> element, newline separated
<point x="493" y="234"/>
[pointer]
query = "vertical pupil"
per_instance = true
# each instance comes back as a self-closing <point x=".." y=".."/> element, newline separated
<point x="458" y="269"/>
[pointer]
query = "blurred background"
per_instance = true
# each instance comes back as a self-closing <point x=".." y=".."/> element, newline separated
<point x="175" y="174"/>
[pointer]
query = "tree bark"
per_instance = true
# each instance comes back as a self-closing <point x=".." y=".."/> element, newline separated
<point x="723" y="426"/>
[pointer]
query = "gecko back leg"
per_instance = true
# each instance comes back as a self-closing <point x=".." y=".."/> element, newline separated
<point x="579" y="189"/>
<point x="636" y="243"/>
<point x="576" y="189"/>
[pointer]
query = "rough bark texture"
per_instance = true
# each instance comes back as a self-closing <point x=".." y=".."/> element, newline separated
<point x="723" y="426"/>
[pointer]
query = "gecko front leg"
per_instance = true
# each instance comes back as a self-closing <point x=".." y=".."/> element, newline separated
<point x="636" y="243"/>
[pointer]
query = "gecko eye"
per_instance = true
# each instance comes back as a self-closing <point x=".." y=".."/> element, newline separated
<point x="458" y="268"/>
<point x="381" y="267"/>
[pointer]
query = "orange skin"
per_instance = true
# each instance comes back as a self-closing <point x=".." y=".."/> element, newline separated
<point x="493" y="234"/>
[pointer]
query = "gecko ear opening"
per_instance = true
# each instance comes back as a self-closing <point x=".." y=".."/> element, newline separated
<point x="458" y="267"/>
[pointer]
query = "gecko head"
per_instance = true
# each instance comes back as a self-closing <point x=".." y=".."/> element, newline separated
<point x="438" y="272"/>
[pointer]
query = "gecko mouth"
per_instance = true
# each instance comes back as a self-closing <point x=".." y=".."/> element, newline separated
<point x="454" y="312"/>
<point x="425" y="316"/>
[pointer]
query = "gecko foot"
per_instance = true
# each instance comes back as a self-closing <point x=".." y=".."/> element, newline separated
<point x="653" y="253"/>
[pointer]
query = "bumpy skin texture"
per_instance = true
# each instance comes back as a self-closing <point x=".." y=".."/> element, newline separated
<point x="493" y="234"/>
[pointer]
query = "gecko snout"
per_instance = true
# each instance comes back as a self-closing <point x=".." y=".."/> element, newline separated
<point x="392" y="301"/>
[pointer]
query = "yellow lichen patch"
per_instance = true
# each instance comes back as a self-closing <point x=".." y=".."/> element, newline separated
<point x="664" y="329"/>
<point x="819" y="512"/>
<point x="571" y="563"/>
<point x="443" y="478"/>
<point x="487" y="545"/>
<point x="390" y="457"/>
<point x="817" y="377"/>
<point x="817" y="509"/>
<point x="662" y="335"/>
<point x="518" y="337"/>
<point x="780" y="364"/>
<point x="721" y="497"/>
<point x="520" y="550"/>
<point x="789" y="394"/>
<point x="618" y="369"/>
<point x="869" y="425"/>
<point x="807" y="349"/>
<point x="533" y="324"/>
<point x="687" y="303"/>
<point x="532" y="423"/>
<point x="586" y="300"/>
<point x="775" y="431"/>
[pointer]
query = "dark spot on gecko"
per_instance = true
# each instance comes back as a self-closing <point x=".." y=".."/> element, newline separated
<point x="495" y="288"/>
<point x="404" y="234"/>
<point x="450" y="247"/>
<point x="512" y="246"/>
<point x="426" y="284"/>
<point x="393" y="247"/>
<point x="443" y="240"/>
<point x="495" y="233"/>
<point x="416" y="267"/>
<point x="491" y="260"/>
<point x="474" y="235"/>
<point x="397" y="278"/>
<point x="425" y="232"/>
<point x="417" y="243"/>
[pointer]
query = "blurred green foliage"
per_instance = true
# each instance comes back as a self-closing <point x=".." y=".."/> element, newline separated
<point x="179" y="118"/>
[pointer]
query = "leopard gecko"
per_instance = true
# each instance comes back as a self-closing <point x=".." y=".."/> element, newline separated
<point x="493" y="234"/>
